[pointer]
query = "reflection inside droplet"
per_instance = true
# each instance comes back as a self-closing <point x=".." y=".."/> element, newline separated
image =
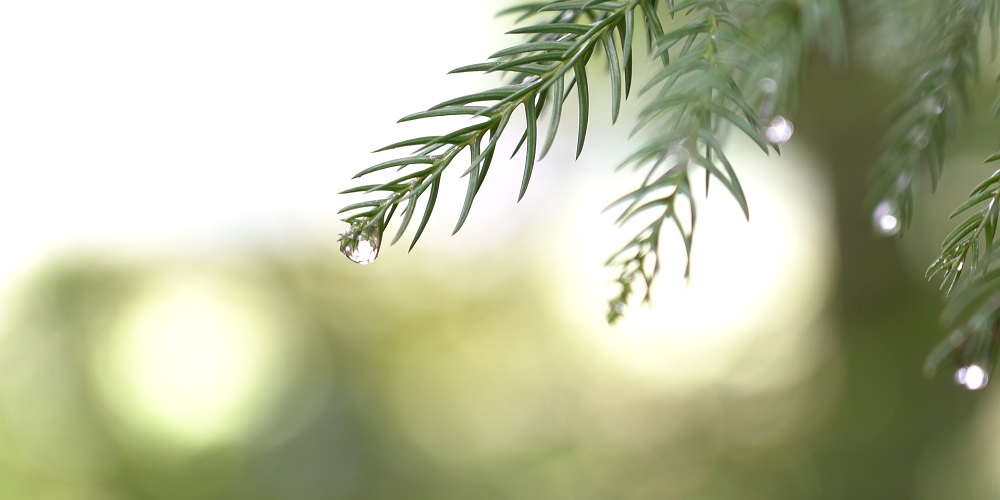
<point x="884" y="218"/>
<point x="360" y="244"/>
<point x="364" y="254"/>
<point x="972" y="377"/>
<point x="779" y="131"/>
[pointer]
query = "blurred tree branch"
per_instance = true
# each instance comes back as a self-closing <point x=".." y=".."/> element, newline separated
<point x="722" y="66"/>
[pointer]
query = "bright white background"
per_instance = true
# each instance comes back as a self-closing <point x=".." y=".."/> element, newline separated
<point x="166" y="124"/>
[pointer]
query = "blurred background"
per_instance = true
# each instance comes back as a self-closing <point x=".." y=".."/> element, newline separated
<point x="176" y="320"/>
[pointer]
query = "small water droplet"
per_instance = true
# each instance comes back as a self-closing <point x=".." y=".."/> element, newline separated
<point x="768" y="85"/>
<point x="919" y="138"/>
<point x="566" y="16"/>
<point x="930" y="103"/>
<point x="779" y="131"/>
<point x="903" y="180"/>
<point x="972" y="377"/>
<point x="884" y="218"/>
<point x="360" y="244"/>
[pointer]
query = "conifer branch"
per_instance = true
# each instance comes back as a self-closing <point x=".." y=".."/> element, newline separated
<point x="725" y="68"/>
<point x="716" y="75"/>
<point x="929" y="111"/>
<point x="541" y="74"/>
<point x="964" y="268"/>
<point x="697" y="94"/>
<point x="973" y="312"/>
<point x="969" y="246"/>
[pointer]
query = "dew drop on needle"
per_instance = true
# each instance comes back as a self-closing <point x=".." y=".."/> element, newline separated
<point x="779" y="131"/>
<point x="884" y="218"/>
<point x="360" y="245"/>
<point x="972" y="377"/>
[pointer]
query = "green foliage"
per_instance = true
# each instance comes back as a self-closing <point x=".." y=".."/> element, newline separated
<point x="541" y="74"/>
<point x="722" y="66"/>
<point x="713" y="64"/>
<point x="973" y="312"/>
<point x="964" y="267"/>
<point x="930" y="110"/>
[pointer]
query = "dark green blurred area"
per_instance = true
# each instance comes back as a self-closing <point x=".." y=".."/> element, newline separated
<point x="460" y="381"/>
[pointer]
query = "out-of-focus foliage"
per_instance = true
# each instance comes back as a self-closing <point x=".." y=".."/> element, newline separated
<point x="296" y="375"/>
<point x="476" y="390"/>
<point x="421" y="389"/>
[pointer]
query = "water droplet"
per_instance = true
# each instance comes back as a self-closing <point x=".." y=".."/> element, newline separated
<point x="768" y="85"/>
<point x="903" y="180"/>
<point x="566" y="16"/>
<point x="884" y="218"/>
<point x="919" y="138"/>
<point x="930" y="103"/>
<point x="972" y="377"/>
<point x="779" y="131"/>
<point x="360" y="244"/>
<point x="529" y="79"/>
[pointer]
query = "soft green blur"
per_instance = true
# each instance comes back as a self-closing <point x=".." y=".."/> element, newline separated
<point x="479" y="366"/>
<point x="385" y="382"/>
<point x="291" y="373"/>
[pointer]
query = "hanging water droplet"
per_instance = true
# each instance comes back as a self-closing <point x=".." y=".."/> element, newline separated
<point x="779" y="131"/>
<point x="360" y="244"/>
<point x="972" y="377"/>
<point x="884" y="218"/>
